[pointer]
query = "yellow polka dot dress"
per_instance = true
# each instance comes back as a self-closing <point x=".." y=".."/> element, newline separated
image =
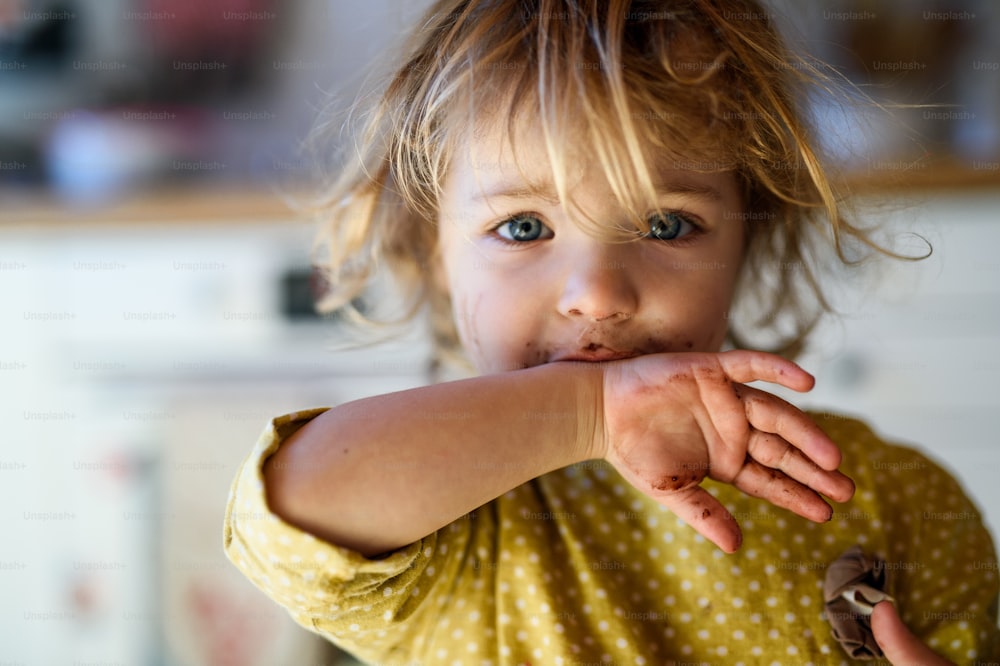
<point x="577" y="567"/>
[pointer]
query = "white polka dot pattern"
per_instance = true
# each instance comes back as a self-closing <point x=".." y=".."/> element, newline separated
<point x="577" y="567"/>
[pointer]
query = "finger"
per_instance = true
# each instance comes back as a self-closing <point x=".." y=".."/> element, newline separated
<point x="769" y="413"/>
<point x="773" y="451"/>
<point x="772" y="485"/>
<point x="750" y="366"/>
<point x="696" y="507"/>
<point x="897" y="642"/>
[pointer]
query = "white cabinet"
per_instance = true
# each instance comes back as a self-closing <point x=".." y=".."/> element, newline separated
<point x="139" y="364"/>
<point x="917" y="354"/>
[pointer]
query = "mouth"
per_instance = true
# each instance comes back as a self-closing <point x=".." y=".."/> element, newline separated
<point x="597" y="354"/>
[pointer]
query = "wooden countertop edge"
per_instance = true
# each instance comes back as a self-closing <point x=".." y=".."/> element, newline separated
<point x="932" y="179"/>
<point x="182" y="206"/>
<point x="239" y="206"/>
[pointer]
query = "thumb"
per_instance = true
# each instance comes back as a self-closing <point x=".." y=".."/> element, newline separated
<point x="898" y="643"/>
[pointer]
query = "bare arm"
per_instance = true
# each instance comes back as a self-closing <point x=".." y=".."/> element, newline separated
<point x="379" y="473"/>
<point x="382" y="472"/>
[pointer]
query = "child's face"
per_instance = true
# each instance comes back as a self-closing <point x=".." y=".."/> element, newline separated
<point x="540" y="289"/>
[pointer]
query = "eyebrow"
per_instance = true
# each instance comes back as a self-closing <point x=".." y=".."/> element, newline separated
<point x="547" y="192"/>
<point x="512" y="191"/>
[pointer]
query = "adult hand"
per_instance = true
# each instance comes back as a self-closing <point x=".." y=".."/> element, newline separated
<point x="898" y="643"/>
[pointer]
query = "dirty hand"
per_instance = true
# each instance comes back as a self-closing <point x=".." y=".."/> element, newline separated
<point x="670" y="420"/>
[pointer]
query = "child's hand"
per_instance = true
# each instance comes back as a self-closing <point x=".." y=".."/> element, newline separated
<point x="670" y="420"/>
<point x="900" y="646"/>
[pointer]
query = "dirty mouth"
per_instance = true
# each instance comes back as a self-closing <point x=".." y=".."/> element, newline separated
<point x="595" y="353"/>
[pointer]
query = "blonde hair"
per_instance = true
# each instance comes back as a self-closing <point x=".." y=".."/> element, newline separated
<point x="705" y="85"/>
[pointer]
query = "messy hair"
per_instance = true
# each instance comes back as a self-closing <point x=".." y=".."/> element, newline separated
<point x="701" y="85"/>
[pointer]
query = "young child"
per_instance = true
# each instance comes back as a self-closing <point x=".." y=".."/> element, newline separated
<point x="580" y="192"/>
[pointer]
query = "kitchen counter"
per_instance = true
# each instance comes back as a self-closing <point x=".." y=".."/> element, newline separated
<point x="175" y="205"/>
<point x="246" y="204"/>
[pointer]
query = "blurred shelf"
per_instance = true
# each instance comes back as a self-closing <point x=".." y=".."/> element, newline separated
<point x="190" y="205"/>
<point x="194" y="205"/>
<point x="901" y="176"/>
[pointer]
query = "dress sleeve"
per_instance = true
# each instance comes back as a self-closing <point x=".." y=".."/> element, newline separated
<point x="369" y="607"/>
<point x="948" y="589"/>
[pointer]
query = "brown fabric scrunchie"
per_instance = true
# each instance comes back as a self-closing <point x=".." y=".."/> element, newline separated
<point x="854" y="583"/>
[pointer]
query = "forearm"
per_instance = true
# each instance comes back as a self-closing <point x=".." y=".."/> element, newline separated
<point x="379" y="473"/>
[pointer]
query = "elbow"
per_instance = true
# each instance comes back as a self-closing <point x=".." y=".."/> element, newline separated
<point x="287" y="481"/>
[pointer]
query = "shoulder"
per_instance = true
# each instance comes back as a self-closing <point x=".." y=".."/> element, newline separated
<point x="900" y="481"/>
<point x="855" y="435"/>
<point x="913" y="500"/>
<point x="868" y="456"/>
<point x="940" y="556"/>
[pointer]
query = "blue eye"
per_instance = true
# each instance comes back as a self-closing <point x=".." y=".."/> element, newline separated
<point x="523" y="229"/>
<point x="668" y="225"/>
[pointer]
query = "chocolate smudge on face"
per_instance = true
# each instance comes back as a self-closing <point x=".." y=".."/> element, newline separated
<point x="543" y="355"/>
<point x="468" y="329"/>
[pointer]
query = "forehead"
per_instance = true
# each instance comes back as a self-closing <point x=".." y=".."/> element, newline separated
<point x="513" y="160"/>
<point x="515" y="149"/>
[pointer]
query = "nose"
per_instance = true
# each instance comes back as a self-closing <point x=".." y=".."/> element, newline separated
<point x="599" y="285"/>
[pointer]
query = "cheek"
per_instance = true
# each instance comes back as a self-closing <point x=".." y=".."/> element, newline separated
<point x="721" y="304"/>
<point x="466" y="303"/>
<point x="500" y="318"/>
<point x="704" y="317"/>
<point x="486" y="315"/>
<point x="712" y="310"/>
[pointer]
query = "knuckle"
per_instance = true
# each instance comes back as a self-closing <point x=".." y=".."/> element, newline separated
<point x="787" y="456"/>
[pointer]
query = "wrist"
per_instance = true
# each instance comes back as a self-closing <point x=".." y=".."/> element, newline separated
<point x="590" y="422"/>
<point x="573" y="396"/>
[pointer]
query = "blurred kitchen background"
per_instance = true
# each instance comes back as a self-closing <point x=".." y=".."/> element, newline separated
<point x="156" y="288"/>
